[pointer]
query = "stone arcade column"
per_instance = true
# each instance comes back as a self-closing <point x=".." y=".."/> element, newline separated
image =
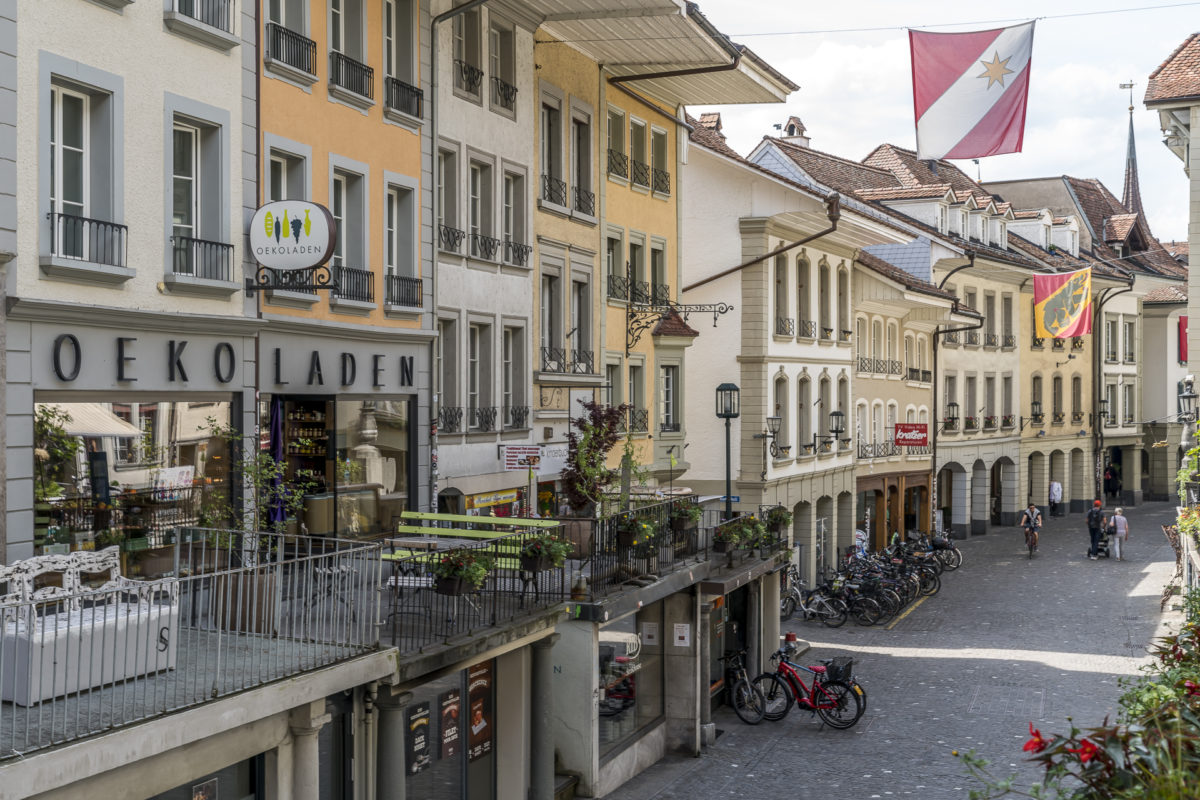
<point x="960" y="505"/>
<point x="1039" y="483"/>
<point x="305" y="723"/>
<point x="391" y="773"/>
<point x="541" y="720"/>
<point x="708" y="731"/>
<point x="1131" y="475"/>
<point x="980" y="500"/>
<point x="1010" y="495"/>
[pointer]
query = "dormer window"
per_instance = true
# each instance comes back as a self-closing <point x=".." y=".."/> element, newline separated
<point x="1004" y="235"/>
<point x="962" y="224"/>
<point x="1046" y="236"/>
<point x="943" y="215"/>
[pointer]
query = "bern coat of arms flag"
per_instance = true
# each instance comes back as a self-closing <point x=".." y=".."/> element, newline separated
<point x="1062" y="304"/>
<point x="970" y="91"/>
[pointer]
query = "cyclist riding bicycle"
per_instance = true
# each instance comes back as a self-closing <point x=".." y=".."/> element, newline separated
<point x="1031" y="521"/>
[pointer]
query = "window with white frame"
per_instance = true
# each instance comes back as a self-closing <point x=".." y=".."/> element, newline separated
<point x="943" y="218"/>
<point x="1130" y="340"/>
<point x="781" y="293"/>
<point x="1110" y="395"/>
<point x="584" y="200"/>
<point x="185" y="181"/>
<point x="288" y="13"/>
<point x="970" y="398"/>
<point x="337" y="207"/>
<point x="843" y="299"/>
<point x="639" y="164"/>
<point x="669" y="417"/>
<point x="989" y="314"/>
<point x="1110" y="339"/>
<point x="502" y="61"/>
<point x="399" y="40"/>
<point x="399" y="234"/>
<point x="551" y="328"/>
<point x="285" y="180"/>
<point x="512" y="382"/>
<point x="618" y="161"/>
<point x="479" y="211"/>
<point x="825" y="301"/>
<point x="950" y="395"/>
<point x="1128" y="403"/>
<point x="803" y="290"/>
<point x="474" y="372"/>
<point x="781" y="407"/>
<point x="468" y="72"/>
<point x="989" y="396"/>
<point x="198" y="204"/>
<point x="804" y="401"/>
<point x="1006" y="315"/>
<point x="70" y="169"/>
<point x="1003" y="235"/>
<point x="660" y="177"/>
<point x="513" y="217"/>
<point x="1006" y="398"/>
<point x="346" y="206"/>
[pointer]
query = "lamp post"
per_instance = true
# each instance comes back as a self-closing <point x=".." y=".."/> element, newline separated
<point x="837" y="425"/>
<point x="1102" y="418"/>
<point x="729" y="407"/>
<point x="1187" y="403"/>
<point x="768" y="439"/>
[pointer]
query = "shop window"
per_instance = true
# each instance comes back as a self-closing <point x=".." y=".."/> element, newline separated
<point x="451" y="726"/>
<point x="244" y="780"/>
<point x="631" y="676"/>
<point x="105" y="473"/>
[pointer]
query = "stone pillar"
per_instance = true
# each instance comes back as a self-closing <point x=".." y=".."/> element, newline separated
<point x="1039" y="483"/>
<point x="1010" y="495"/>
<point x="541" y="720"/>
<point x="1131" y="475"/>
<point x="305" y="723"/>
<point x="980" y="500"/>
<point x="391" y="773"/>
<point x="708" y="731"/>
<point x="960" y="505"/>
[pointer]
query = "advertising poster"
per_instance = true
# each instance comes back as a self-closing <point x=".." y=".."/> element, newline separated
<point x="420" y="747"/>
<point x="450" y="702"/>
<point x="479" y="714"/>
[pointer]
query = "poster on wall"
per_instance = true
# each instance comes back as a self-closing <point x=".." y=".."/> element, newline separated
<point x="420" y="748"/>
<point x="450" y="702"/>
<point x="479" y="704"/>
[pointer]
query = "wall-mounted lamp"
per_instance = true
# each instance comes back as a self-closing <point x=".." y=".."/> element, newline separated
<point x="837" y="424"/>
<point x="1035" y="416"/>
<point x="951" y="421"/>
<point x="1187" y="402"/>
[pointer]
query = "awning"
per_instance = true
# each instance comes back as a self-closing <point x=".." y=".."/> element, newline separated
<point x="93" y="419"/>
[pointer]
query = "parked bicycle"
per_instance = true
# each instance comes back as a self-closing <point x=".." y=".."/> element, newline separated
<point x="837" y="703"/>
<point x="744" y="696"/>
<point x="813" y="603"/>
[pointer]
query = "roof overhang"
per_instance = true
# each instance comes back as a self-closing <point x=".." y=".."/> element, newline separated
<point x="631" y="37"/>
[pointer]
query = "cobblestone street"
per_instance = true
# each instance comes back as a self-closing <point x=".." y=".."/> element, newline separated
<point x="1006" y="641"/>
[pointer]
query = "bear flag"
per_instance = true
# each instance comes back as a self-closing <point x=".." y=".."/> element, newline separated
<point x="1062" y="304"/>
<point x="969" y="91"/>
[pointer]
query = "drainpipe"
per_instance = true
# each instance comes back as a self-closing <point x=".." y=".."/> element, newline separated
<point x="937" y="334"/>
<point x="436" y="379"/>
<point x="1098" y="384"/>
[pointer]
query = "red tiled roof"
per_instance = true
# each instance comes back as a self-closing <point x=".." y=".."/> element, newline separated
<point x="1176" y="249"/>
<point x="671" y="324"/>
<point x="1027" y="213"/>
<point x="834" y="171"/>
<point x="906" y="280"/>
<point x="711" y="120"/>
<point x="1179" y="76"/>
<point x="1118" y="227"/>
<point x="1061" y="221"/>
<point x="1166" y="294"/>
<point x="937" y="191"/>
<point x="1098" y="205"/>
<point x="707" y="131"/>
<point x="961" y="196"/>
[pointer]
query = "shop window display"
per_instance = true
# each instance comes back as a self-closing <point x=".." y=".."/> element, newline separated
<point x="631" y="676"/>
<point x="126" y="474"/>
<point x="450" y="730"/>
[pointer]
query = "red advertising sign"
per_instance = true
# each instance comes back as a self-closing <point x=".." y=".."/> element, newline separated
<point x="911" y="434"/>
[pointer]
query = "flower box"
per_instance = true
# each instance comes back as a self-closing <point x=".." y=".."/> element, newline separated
<point x="724" y="547"/>
<point x="450" y="586"/>
<point x="535" y="563"/>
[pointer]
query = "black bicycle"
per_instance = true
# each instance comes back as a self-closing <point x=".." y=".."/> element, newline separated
<point x="744" y="696"/>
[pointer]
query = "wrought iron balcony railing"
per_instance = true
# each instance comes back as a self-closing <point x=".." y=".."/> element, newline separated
<point x="482" y="419"/>
<point x="660" y="294"/>
<point x="639" y="420"/>
<point x="951" y="338"/>
<point x="450" y="419"/>
<point x="351" y="75"/>
<point x="516" y="253"/>
<point x="354" y="284"/>
<point x="866" y="364"/>
<point x="1008" y="340"/>
<point x="639" y="173"/>
<point x="918" y="450"/>
<point x="484" y="247"/>
<point x="639" y="291"/>
<point x="990" y="422"/>
<point x="450" y="239"/>
<point x="201" y="259"/>
<point x="585" y="201"/>
<point x="806" y="329"/>
<point x="670" y="427"/>
<point x="970" y="423"/>
<point x="660" y="181"/>
<point x="950" y="424"/>
<point x="879" y="366"/>
<point x="1038" y="342"/>
<point x="400" y="290"/>
<point x="618" y="287"/>
<point x="554" y="359"/>
<point x="785" y="326"/>
<point x="991" y="340"/>
<point x="554" y="190"/>
<point x="618" y="163"/>
<point x="1008" y="421"/>
<point x="516" y="418"/>
<point x="217" y="13"/>
<point x="1077" y="343"/>
<point x="504" y="94"/>
<point x="87" y="239"/>
<point x="583" y="362"/>
<point x="291" y="48"/>
<point x="402" y="97"/>
<point x="973" y="338"/>
<point x="894" y="367"/>
<point x="467" y="77"/>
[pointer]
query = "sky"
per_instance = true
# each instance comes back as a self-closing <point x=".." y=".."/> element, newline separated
<point x="856" y="86"/>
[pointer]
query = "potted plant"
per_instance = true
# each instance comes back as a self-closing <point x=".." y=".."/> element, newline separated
<point x="633" y="530"/>
<point x="685" y="515"/>
<point x="543" y="551"/>
<point x="754" y="533"/>
<point x="459" y="569"/>
<point x="727" y="536"/>
<point x="777" y="519"/>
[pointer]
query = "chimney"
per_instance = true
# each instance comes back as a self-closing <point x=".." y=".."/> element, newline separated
<point x="793" y="131"/>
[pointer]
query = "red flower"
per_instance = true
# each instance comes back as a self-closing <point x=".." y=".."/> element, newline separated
<point x="1192" y="688"/>
<point x="1036" y="744"/>
<point x="1086" y="751"/>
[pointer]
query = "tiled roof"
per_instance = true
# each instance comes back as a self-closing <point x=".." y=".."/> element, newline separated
<point x="963" y="195"/>
<point x="911" y="172"/>
<point x="1062" y="221"/>
<point x="709" y="134"/>
<point x="1176" y="249"/>
<point x="1179" y="76"/>
<point x="1118" y="227"/>
<point x="900" y="276"/>
<point x="711" y="120"/>
<point x="1166" y="294"/>
<point x="1098" y="204"/>
<point x="1027" y="213"/>
<point x="671" y="324"/>
<point x="834" y="171"/>
<point x="933" y="191"/>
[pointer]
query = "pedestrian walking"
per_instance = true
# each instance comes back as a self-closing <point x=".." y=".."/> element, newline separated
<point x="1118" y="532"/>
<point x="1095" y="523"/>
<point x="1055" y="497"/>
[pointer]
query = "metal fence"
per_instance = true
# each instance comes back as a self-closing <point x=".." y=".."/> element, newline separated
<point x="237" y="611"/>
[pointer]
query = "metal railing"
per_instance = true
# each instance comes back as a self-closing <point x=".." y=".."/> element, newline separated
<point x="1008" y="421"/>
<point x="1077" y="343"/>
<point x="200" y="258"/>
<point x="582" y="362"/>
<point x="516" y="418"/>
<point x="660" y="181"/>
<point x="918" y="450"/>
<point x="467" y="77"/>
<point x="354" y="284"/>
<point x="970" y="423"/>
<point x="972" y="337"/>
<point x="554" y="190"/>
<point x="450" y="419"/>
<point x="585" y="201"/>
<point x="1008" y="340"/>
<point x="554" y="359"/>
<point x="400" y="290"/>
<point x="1038" y="342"/>
<point x="894" y="367"/>
<point x="482" y="419"/>
<point x="504" y="94"/>
<point x="237" y="611"/>
<point x="806" y="329"/>
<point x="291" y="48"/>
<point x="618" y="163"/>
<point x="618" y="287"/>
<point x="450" y="239"/>
<point x="639" y="420"/>
<point x="866" y="364"/>
<point x="950" y="424"/>
<point x="1058" y="344"/>
<point x="660" y="293"/>
<point x="877" y="449"/>
<point x="951" y="338"/>
<point x="639" y="291"/>
<point x="785" y="326"/>
<point x="217" y="13"/>
<point x="87" y="239"/>
<point x="1110" y="356"/>
<point x="1130" y="356"/>
<point x="353" y="76"/>
<point x="991" y="422"/>
<point x="670" y="427"/>
<point x="517" y="253"/>
<point x="484" y="247"/>
<point x="991" y="340"/>
<point x="639" y="173"/>
<point x="402" y="97"/>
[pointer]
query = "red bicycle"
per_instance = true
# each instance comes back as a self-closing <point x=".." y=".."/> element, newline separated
<point x="838" y="704"/>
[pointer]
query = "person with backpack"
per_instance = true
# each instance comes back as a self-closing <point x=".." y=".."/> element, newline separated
<point x="1095" y="523"/>
<point x="1031" y="521"/>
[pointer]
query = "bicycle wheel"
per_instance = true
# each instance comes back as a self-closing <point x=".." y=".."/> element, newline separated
<point x="951" y="559"/>
<point x="1029" y="543"/>
<point x="787" y="607"/>
<point x="748" y="702"/>
<point x="860" y="691"/>
<point x="931" y="584"/>
<point x="865" y="610"/>
<point x="777" y="700"/>
<point x="832" y="611"/>
<point x="837" y="704"/>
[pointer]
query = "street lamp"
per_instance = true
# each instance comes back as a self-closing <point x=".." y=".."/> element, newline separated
<point x="951" y="420"/>
<point x="729" y="407"/>
<point x="1187" y="403"/>
<point x="769" y="444"/>
<point x="837" y="425"/>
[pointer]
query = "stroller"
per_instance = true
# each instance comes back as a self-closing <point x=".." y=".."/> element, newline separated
<point x="1102" y="550"/>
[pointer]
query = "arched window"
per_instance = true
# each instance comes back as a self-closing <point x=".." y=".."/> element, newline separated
<point x="910" y="360"/>
<point x="1077" y="395"/>
<point x="804" y="412"/>
<point x="860" y="336"/>
<point x="803" y="298"/>
<point x="877" y="423"/>
<point x="877" y="339"/>
<point x="843" y="395"/>
<point x="781" y="408"/>
<point x="843" y="289"/>
<point x="1035" y="389"/>
<point x="1056" y="396"/>
<point x="825" y="302"/>
<point x="781" y="294"/>
<point x="922" y="343"/>
<point x="861" y="431"/>
<point x="890" y="431"/>
<point x="891" y="341"/>
<point x="826" y="407"/>
<point x="923" y="415"/>
<point x="910" y="414"/>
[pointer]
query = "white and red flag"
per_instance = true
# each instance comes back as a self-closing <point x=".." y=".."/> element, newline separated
<point x="969" y="91"/>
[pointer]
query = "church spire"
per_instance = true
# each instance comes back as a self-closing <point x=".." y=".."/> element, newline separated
<point x="1131" y="198"/>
